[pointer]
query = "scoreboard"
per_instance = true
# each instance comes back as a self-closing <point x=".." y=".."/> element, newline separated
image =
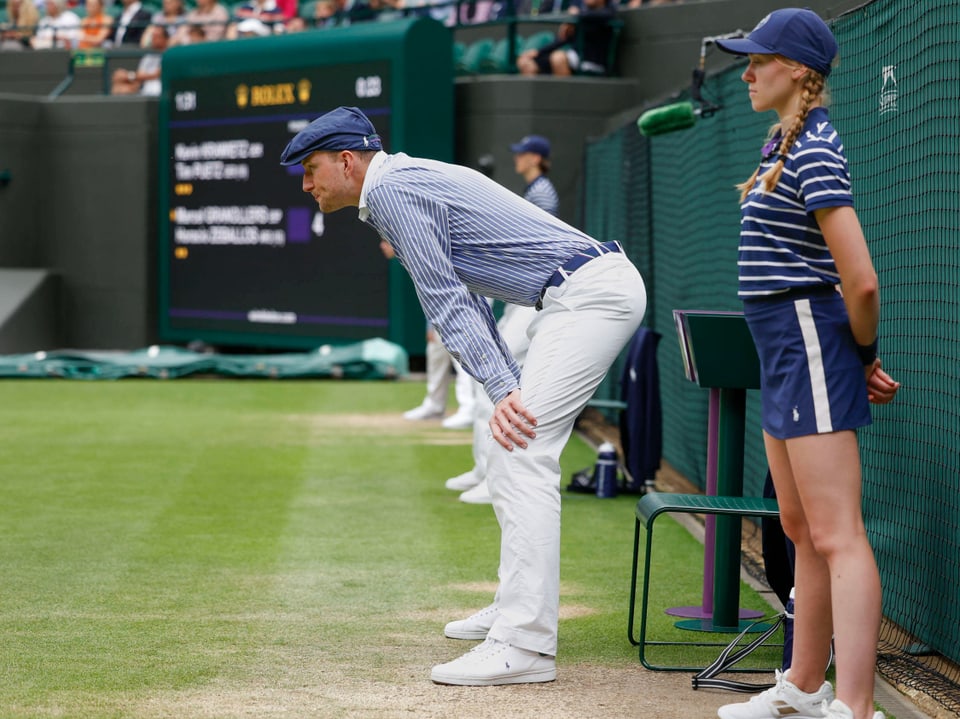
<point x="247" y="258"/>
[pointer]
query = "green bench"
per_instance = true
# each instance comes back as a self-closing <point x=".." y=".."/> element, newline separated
<point x="651" y="506"/>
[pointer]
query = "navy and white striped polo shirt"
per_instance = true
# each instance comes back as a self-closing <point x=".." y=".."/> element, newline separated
<point x="781" y="246"/>
<point x="543" y="194"/>
<point x="463" y="237"/>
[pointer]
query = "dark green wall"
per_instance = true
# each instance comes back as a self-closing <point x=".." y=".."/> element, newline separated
<point x="81" y="203"/>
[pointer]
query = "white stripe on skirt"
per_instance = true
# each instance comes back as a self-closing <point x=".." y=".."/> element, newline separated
<point x="818" y="380"/>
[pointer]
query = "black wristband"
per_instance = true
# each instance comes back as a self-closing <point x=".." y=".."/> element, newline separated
<point x="868" y="353"/>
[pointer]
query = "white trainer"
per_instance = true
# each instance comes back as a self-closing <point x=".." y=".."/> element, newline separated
<point x="427" y="410"/>
<point x="838" y="710"/>
<point x="781" y="701"/>
<point x="493" y="663"/>
<point x="458" y="420"/>
<point x="475" y="626"/>
<point x="462" y="482"/>
<point x="480" y="494"/>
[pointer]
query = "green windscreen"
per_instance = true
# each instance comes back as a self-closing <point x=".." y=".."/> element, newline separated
<point x="894" y="101"/>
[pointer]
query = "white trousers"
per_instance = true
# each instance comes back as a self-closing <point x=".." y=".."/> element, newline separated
<point x="583" y="326"/>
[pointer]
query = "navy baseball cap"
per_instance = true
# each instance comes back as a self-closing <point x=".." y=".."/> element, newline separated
<point x="796" y="33"/>
<point x="345" y="128"/>
<point x="532" y="143"/>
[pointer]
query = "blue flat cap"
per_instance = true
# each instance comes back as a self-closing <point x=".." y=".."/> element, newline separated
<point x="345" y="128"/>
<point x="533" y="143"/>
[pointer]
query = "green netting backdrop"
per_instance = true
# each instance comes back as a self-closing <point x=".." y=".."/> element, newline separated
<point x="896" y="102"/>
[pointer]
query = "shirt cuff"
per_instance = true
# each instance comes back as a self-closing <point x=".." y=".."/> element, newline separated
<point x="499" y="387"/>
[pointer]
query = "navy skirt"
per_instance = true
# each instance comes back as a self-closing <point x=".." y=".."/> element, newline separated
<point x="812" y="380"/>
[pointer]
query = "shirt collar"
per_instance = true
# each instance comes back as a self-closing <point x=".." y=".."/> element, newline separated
<point x="375" y="170"/>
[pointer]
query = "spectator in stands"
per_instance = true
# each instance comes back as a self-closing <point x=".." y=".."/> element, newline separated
<point x="131" y="25"/>
<point x="382" y="10"/>
<point x="22" y="19"/>
<point x="651" y="3"/>
<point x="209" y="15"/>
<point x="267" y="11"/>
<point x="295" y="24"/>
<point x="582" y="47"/>
<point x="170" y="17"/>
<point x="195" y="34"/>
<point x="58" y="27"/>
<point x="252" y="27"/>
<point x="145" y="80"/>
<point x="325" y="13"/>
<point x="95" y="27"/>
<point x="476" y="12"/>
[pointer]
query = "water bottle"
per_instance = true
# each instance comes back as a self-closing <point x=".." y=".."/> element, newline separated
<point x="788" y="633"/>
<point x="605" y="471"/>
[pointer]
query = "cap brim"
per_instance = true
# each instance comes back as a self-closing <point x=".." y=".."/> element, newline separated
<point x="294" y="158"/>
<point x="516" y="148"/>
<point x="743" y="46"/>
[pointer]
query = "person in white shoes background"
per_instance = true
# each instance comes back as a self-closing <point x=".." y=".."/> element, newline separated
<point x="531" y="160"/>
<point x="800" y="244"/>
<point x="434" y="406"/>
<point x="463" y="237"/>
<point x="439" y="363"/>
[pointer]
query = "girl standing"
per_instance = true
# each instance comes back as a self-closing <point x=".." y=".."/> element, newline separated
<point x="810" y="296"/>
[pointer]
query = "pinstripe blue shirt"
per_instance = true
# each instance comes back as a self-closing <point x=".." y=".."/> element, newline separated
<point x="781" y="245"/>
<point x="463" y="237"/>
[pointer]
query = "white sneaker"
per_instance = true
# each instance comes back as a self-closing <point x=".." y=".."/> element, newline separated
<point x="480" y="494"/>
<point x="458" y="420"/>
<point x="475" y="626"/>
<point x="493" y="663"/>
<point x="462" y="482"/>
<point x="783" y="700"/>
<point x="839" y="710"/>
<point x="427" y="410"/>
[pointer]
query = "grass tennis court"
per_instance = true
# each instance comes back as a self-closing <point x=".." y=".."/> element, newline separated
<point x="259" y="548"/>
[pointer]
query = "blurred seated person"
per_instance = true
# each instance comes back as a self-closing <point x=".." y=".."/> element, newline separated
<point x="171" y="16"/>
<point x="295" y="24"/>
<point x="22" y="19"/>
<point x="383" y="10"/>
<point x="145" y="80"/>
<point x="130" y="26"/>
<point x="266" y="11"/>
<point x="478" y="11"/>
<point x="325" y="13"/>
<point x="251" y="27"/>
<point x="95" y="27"/>
<point x="582" y="47"/>
<point x="209" y="15"/>
<point x="195" y="34"/>
<point x="58" y="27"/>
<point x="651" y="3"/>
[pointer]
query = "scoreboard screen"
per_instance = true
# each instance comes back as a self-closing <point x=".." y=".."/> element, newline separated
<point x="247" y="257"/>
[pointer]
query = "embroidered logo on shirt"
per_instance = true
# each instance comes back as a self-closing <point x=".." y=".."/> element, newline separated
<point x="796" y="414"/>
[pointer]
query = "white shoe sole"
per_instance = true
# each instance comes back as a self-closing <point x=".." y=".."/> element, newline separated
<point x="465" y="634"/>
<point x="528" y="677"/>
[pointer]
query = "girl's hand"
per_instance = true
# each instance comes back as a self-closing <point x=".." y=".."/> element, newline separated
<point x="881" y="387"/>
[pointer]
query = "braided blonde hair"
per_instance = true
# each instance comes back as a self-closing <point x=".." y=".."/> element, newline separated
<point x="813" y="88"/>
